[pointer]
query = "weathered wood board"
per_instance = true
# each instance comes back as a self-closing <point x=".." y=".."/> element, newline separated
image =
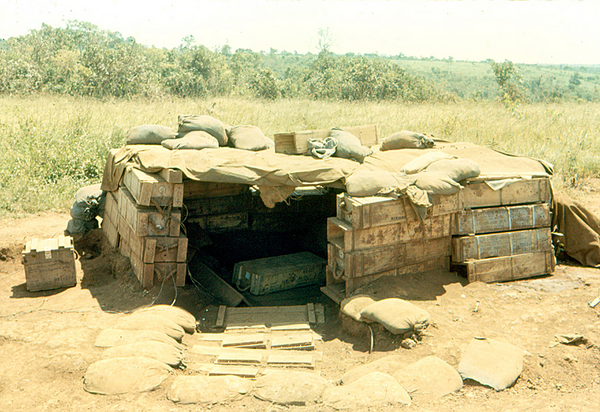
<point x="501" y="244"/>
<point x="220" y="205"/>
<point x="193" y="189"/>
<point x="272" y="316"/>
<point x="150" y="188"/>
<point x="242" y="371"/>
<point x="148" y="221"/>
<point x="381" y="259"/>
<point x="278" y="273"/>
<point x="511" y="267"/>
<point x="111" y="207"/>
<point x="110" y="231"/>
<point x="157" y="249"/>
<point x="349" y="239"/>
<point x="216" y="286"/>
<point x="501" y="219"/>
<point x="49" y="264"/>
<point x="221" y="223"/>
<point x="149" y="273"/>
<point x="480" y="194"/>
<point x="171" y="175"/>
<point x="372" y="211"/>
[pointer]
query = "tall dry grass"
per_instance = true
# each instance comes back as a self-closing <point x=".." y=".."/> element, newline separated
<point x="51" y="146"/>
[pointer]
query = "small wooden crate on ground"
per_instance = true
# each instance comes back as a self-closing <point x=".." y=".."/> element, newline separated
<point x="49" y="264"/>
<point x="507" y="268"/>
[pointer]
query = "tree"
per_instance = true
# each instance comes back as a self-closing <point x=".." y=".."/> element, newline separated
<point x="509" y="81"/>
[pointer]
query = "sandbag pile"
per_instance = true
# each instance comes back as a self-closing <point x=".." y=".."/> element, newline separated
<point x="197" y="132"/>
<point x="89" y="203"/>
<point x="140" y="352"/>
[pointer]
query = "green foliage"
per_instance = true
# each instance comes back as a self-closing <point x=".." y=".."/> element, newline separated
<point x="509" y="82"/>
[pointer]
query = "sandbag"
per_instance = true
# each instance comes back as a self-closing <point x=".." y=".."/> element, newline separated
<point x="491" y="363"/>
<point x="370" y="183"/>
<point x="420" y="163"/>
<point x="388" y="365"/>
<point x="146" y="321"/>
<point x="249" y="138"/>
<point x="178" y="315"/>
<point x="457" y="169"/>
<point x="124" y="375"/>
<point x="290" y="387"/>
<point x="397" y="316"/>
<point x="149" y="134"/>
<point x="373" y="390"/>
<point x="117" y="337"/>
<point x="353" y="305"/>
<point x="204" y="123"/>
<point x="159" y="351"/>
<point x="430" y="377"/>
<point x="81" y="226"/>
<point x="436" y="183"/>
<point x="349" y="146"/>
<point x="407" y="140"/>
<point x="208" y="389"/>
<point x="89" y="203"/>
<point x="194" y="140"/>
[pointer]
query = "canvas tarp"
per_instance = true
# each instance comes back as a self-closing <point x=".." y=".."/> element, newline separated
<point x="267" y="168"/>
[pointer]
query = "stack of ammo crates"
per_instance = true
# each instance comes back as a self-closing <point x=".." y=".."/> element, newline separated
<point x="378" y="236"/>
<point x="143" y="220"/>
<point x="504" y="234"/>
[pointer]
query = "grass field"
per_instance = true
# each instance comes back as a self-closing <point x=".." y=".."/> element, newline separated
<point x="51" y="146"/>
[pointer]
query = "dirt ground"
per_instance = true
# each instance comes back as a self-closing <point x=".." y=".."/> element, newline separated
<point x="47" y="338"/>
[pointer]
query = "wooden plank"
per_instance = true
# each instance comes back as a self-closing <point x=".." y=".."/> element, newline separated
<point x="277" y="273"/>
<point x="349" y="239"/>
<point x="239" y="358"/>
<point x="221" y="316"/>
<point x="216" y="286"/>
<point x="171" y="175"/>
<point x="511" y="267"/>
<point x="159" y="248"/>
<point x="272" y="315"/>
<point x="193" y="189"/>
<point x="437" y="264"/>
<point x="493" y="245"/>
<point x="147" y="188"/>
<point x="143" y="271"/>
<point x="218" y="350"/>
<point x="372" y="211"/>
<point x="242" y="371"/>
<point x="311" y="313"/>
<point x="254" y="340"/>
<point x="293" y="341"/>
<point x="480" y="194"/>
<point x="291" y="360"/>
<point x="148" y="221"/>
<point x="380" y="259"/>
<point x="336" y="292"/>
<point x="110" y="231"/>
<point x="220" y="205"/>
<point x="501" y="219"/>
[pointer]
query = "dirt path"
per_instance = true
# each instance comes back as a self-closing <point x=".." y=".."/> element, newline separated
<point x="47" y="338"/>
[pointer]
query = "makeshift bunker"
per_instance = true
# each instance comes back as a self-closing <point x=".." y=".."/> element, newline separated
<point x="420" y="206"/>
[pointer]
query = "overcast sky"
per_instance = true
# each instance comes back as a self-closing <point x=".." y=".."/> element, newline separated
<point x="553" y="32"/>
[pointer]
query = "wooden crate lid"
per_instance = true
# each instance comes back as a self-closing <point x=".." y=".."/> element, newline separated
<point x="36" y="245"/>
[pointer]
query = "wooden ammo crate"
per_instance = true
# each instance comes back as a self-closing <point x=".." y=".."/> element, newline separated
<point x="150" y="188"/>
<point x="480" y="194"/>
<point x="193" y="189"/>
<point x="221" y="223"/>
<point x="219" y="205"/>
<point x="510" y="267"/>
<point x="148" y="221"/>
<point x="493" y="245"/>
<point x="297" y="142"/>
<point x="349" y="239"/>
<point x="278" y="273"/>
<point x="501" y="219"/>
<point x="110" y="222"/>
<point x="156" y="249"/>
<point x="49" y="264"/>
<point x="377" y="260"/>
<point x="371" y="211"/>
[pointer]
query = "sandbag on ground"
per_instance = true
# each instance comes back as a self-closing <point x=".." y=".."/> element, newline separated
<point x="159" y="351"/>
<point x="204" y="123"/>
<point x="290" y="388"/>
<point x="248" y="138"/>
<point x="491" y="363"/>
<point x="194" y="140"/>
<point x="124" y="375"/>
<point x="89" y="203"/>
<point x="397" y="316"/>
<point x="373" y="390"/>
<point x="147" y="321"/>
<point x="388" y="365"/>
<point x="149" y="134"/>
<point x="208" y="389"/>
<point x="116" y="337"/>
<point x="406" y="139"/>
<point x="353" y="305"/>
<point x="430" y="377"/>
<point x="178" y="315"/>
